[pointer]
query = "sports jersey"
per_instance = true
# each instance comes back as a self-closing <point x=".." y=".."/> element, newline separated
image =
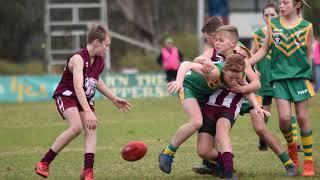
<point x="91" y="74"/>
<point x="289" y="50"/>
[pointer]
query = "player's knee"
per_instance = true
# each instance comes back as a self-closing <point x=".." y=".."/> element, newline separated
<point x="260" y="130"/>
<point x="76" y="130"/>
<point x="302" y="117"/>
<point x="203" y="153"/>
<point x="197" y="124"/>
<point x="285" y="118"/>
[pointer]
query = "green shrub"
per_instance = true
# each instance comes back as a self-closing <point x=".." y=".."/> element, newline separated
<point x="10" y="68"/>
<point x="142" y="61"/>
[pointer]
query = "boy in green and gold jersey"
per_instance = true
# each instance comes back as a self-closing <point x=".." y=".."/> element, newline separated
<point x="290" y="37"/>
<point x="263" y="67"/>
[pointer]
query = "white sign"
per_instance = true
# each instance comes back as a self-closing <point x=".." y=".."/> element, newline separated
<point x="246" y="23"/>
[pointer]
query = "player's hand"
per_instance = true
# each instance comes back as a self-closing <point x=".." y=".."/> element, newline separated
<point x="90" y="120"/>
<point x="122" y="104"/>
<point x="174" y="86"/>
<point x="207" y="66"/>
<point x="236" y="88"/>
<point x="261" y="111"/>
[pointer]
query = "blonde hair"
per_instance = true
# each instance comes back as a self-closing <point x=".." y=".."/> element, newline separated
<point x="231" y="32"/>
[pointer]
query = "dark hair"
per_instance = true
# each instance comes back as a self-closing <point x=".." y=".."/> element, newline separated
<point x="270" y="5"/>
<point x="301" y="7"/>
<point x="211" y="25"/>
<point x="230" y="30"/>
<point x="235" y="63"/>
<point x="97" y="32"/>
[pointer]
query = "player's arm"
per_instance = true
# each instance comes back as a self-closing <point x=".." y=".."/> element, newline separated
<point x="122" y="104"/>
<point x="76" y="67"/>
<point x="205" y="59"/>
<point x="254" y="81"/>
<point x="309" y="43"/>
<point x="262" y="52"/>
<point x="253" y="46"/>
<point x="257" y="107"/>
<point x="205" y="56"/>
<point x="185" y="66"/>
<point x="251" y="87"/>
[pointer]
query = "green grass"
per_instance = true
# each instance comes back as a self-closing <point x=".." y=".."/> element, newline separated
<point x="28" y="130"/>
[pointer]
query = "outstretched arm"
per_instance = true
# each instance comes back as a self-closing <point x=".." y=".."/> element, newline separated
<point x="120" y="103"/>
<point x="175" y="86"/>
<point x="257" y="107"/>
<point x="185" y="67"/>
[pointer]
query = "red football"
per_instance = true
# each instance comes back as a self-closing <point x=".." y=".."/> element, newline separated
<point x="134" y="151"/>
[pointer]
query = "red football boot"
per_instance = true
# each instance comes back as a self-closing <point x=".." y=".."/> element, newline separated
<point x="87" y="174"/>
<point x="42" y="168"/>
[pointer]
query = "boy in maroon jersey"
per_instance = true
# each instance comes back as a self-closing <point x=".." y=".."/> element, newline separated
<point x="74" y="100"/>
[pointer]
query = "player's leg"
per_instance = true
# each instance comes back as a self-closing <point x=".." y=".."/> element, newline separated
<point x="306" y="137"/>
<point x="223" y="139"/>
<point x="302" y="91"/>
<point x="266" y="105"/>
<point x="283" y="98"/>
<point x="90" y="142"/>
<point x="294" y="125"/>
<point x="284" y="112"/>
<point x="194" y="115"/>
<point x="274" y="144"/>
<point x="74" y="129"/>
<point x="205" y="149"/>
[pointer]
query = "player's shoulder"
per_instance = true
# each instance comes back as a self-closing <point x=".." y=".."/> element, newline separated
<point x="258" y="31"/>
<point x="275" y="19"/>
<point x="305" y="22"/>
<point x="76" y="59"/>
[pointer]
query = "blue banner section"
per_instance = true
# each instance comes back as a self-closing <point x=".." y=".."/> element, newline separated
<point x="41" y="88"/>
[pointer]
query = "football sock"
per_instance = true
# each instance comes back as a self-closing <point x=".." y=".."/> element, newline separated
<point x="49" y="157"/>
<point x="88" y="160"/>
<point x="306" y="138"/>
<point x="294" y="128"/>
<point x="288" y="136"/>
<point x="170" y="149"/>
<point x="227" y="158"/>
<point x="284" y="157"/>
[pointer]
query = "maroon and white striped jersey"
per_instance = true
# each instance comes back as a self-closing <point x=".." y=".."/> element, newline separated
<point x="91" y="74"/>
<point x="225" y="98"/>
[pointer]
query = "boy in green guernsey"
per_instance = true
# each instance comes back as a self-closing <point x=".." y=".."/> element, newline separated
<point x="197" y="88"/>
<point x="290" y="37"/>
<point x="269" y="11"/>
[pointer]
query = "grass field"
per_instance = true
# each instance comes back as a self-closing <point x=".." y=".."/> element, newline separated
<point x="27" y="131"/>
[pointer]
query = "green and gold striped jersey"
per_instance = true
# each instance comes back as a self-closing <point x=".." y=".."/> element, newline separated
<point x="202" y="85"/>
<point x="289" y="58"/>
